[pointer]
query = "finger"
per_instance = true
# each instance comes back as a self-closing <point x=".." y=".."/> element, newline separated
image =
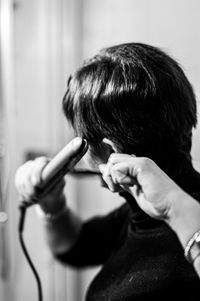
<point x="121" y="174"/>
<point x="133" y="166"/>
<point x="27" y="189"/>
<point x="101" y="167"/>
<point x="106" y="175"/>
<point x="33" y="177"/>
<point x="21" y="175"/>
<point x="28" y="176"/>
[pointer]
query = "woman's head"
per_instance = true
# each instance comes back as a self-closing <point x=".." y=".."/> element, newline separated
<point x="136" y="96"/>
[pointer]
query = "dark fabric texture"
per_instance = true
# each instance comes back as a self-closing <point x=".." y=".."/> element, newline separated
<point x="141" y="258"/>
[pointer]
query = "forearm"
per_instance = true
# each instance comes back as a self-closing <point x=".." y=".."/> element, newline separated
<point x="62" y="226"/>
<point x="184" y="216"/>
<point x="184" y="219"/>
<point x="63" y="231"/>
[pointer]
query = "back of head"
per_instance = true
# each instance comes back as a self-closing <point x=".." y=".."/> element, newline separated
<point x="137" y="96"/>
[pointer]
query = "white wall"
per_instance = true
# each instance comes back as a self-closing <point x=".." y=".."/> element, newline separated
<point x="51" y="37"/>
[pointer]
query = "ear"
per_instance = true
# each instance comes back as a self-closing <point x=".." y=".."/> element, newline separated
<point x="110" y="144"/>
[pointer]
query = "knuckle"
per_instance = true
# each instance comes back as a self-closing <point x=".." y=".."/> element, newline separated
<point x="41" y="160"/>
<point x="105" y="177"/>
<point x="112" y="155"/>
<point x="20" y="175"/>
<point x="146" y="162"/>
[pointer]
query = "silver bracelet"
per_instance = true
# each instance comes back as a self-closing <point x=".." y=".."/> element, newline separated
<point x="50" y="217"/>
<point x="192" y="249"/>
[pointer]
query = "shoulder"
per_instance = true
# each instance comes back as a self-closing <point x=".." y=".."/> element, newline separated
<point x="120" y="214"/>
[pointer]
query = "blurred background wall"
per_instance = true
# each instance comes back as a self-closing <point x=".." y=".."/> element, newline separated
<point x="42" y="42"/>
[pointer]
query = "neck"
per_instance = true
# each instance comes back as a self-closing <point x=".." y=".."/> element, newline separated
<point x="175" y="165"/>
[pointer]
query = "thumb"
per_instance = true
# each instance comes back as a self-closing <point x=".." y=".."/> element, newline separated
<point x="102" y="167"/>
<point x="121" y="175"/>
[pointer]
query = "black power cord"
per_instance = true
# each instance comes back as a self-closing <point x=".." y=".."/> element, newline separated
<point x="23" y="206"/>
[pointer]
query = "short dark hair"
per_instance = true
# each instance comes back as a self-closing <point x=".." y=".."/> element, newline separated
<point x="137" y="96"/>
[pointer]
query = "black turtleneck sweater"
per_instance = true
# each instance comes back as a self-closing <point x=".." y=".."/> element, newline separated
<point x="141" y="258"/>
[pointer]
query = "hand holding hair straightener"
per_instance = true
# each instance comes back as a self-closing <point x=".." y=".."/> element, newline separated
<point x="36" y="178"/>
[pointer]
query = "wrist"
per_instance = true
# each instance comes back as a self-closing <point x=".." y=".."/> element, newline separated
<point x="54" y="206"/>
<point x="183" y="216"/>
<point x="176" y="199"/>
<point x="51" y="217"/>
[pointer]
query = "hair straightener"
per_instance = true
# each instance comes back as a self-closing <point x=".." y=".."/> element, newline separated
<point x="52" y="173"/>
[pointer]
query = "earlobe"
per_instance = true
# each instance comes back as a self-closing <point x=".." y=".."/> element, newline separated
<point x="110" y="144"/>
